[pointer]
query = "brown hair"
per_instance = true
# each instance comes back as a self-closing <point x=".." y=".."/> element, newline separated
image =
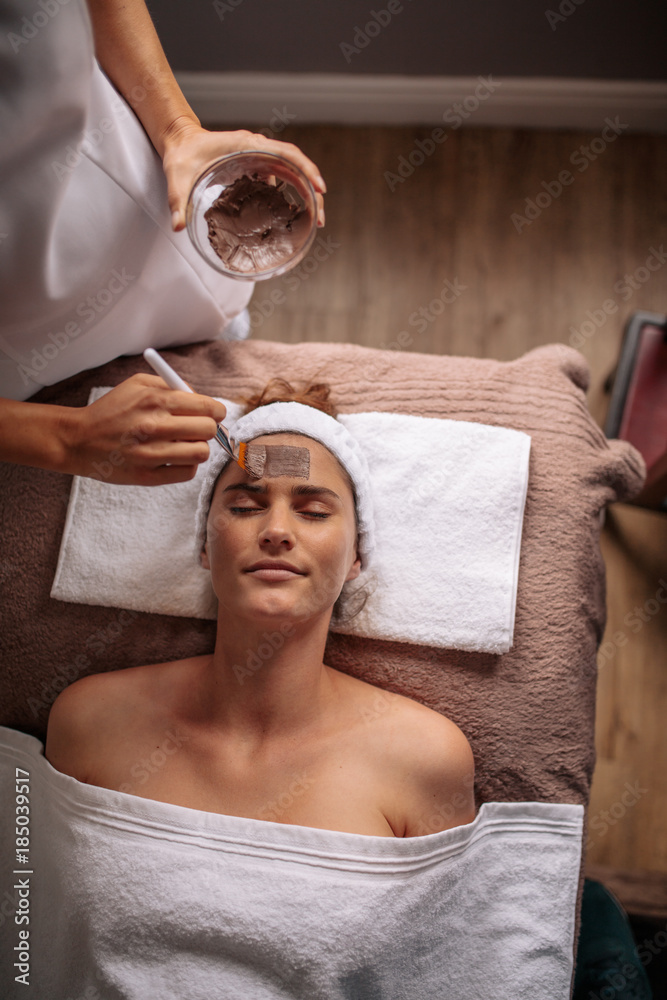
<point x="279" y="390"/>
<point x="317" y="394"/>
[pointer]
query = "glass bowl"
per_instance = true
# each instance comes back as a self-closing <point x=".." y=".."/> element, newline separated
<point x="252" y="215"/>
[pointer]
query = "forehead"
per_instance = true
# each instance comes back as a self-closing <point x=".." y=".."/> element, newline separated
<point x="325" y="469"/>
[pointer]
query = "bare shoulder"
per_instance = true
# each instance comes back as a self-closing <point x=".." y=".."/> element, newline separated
<point x="410" y="725"/>
<point x="94" y="707"/>
<point x="77" y="714"/>
<point x="429" y="731"/>
<point x="432" y="767"/>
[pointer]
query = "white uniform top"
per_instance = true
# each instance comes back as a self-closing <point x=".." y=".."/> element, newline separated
<point x="90" y="268"/>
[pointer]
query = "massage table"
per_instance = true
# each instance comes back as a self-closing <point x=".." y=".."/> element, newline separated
<point x="529" y="714"/>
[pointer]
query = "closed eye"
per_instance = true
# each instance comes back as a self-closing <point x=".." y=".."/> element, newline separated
<point x="250" y="510"/>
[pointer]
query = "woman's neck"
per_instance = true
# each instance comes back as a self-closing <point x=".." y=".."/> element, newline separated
<point x="266" y="684"/>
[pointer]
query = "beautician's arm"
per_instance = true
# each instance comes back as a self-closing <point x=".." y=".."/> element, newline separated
<point x="129" y="50"/>
<point x="126" y="437"/>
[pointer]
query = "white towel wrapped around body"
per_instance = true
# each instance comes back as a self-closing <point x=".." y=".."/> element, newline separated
<point x="448" y="497"/>
<point x="137" y="899"/>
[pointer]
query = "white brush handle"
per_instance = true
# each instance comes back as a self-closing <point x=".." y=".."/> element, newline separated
<point x="165" y="371"/>
<point x="174" y="381"/>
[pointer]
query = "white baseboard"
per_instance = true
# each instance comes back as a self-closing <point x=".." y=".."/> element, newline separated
<point x="257" y="99"/>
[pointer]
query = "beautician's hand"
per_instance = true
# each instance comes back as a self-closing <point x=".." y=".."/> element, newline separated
<point x="129" y="51"/>
<point x="130" y="434"/>
<point x="190" y="149"/>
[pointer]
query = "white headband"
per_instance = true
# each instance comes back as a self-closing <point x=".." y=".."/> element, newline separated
<point x="299" y="419"/>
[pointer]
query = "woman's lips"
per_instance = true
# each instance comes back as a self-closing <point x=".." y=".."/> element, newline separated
<point x="274" y="574"/>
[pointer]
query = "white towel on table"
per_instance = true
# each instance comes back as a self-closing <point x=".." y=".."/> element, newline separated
<point x="449" y="499"/>
<point x="139" y="899"/>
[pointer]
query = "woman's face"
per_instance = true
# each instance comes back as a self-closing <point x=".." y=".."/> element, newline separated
<point x="307" y="524"/>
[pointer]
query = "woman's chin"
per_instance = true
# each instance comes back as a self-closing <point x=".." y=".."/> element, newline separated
<point x="272" y="611"/>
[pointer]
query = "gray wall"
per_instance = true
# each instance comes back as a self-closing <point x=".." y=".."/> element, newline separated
<point x="604" y="39"/>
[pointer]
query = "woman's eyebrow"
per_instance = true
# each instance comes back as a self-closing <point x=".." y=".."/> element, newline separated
<point x="296" y="490"/>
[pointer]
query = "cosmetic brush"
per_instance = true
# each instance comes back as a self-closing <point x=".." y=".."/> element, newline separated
<point x="253" y="459"/>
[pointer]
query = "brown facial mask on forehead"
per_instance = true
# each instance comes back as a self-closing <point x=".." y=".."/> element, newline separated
<point x="273" y="460"/>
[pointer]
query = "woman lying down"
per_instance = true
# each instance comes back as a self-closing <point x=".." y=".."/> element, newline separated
<point x="281" y="544"/>
<point x="295" y="841"/>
